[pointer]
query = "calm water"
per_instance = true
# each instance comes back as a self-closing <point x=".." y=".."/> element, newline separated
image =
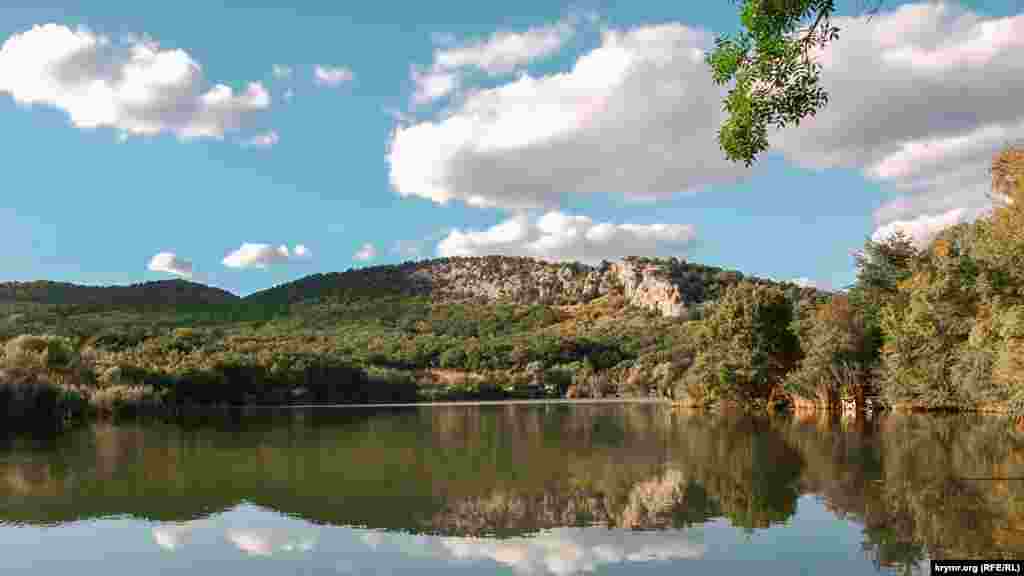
<point x="526" y="489"/>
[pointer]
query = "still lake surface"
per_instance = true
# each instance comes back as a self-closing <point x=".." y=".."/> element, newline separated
<point x="519" y="489"/>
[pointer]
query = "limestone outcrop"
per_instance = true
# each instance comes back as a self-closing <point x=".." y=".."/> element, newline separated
<point x="524" y="280"/>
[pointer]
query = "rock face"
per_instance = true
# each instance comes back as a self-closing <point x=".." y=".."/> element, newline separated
<point x="524" y="280"/>
<point x="520" y="280"/>
<point x="649" y="287"/>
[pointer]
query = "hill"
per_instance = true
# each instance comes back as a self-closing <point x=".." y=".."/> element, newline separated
<point x="667" y="286"/>
<point x="146" y="294"/>
<point x="454" y="328"/>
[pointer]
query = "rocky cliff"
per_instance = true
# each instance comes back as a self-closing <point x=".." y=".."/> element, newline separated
<point x="646" y="285"/>
<point x="667" y="286"/>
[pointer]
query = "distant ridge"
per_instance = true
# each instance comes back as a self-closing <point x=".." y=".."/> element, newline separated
<point x="665" y="285"/>
<point x="157" y="293"/>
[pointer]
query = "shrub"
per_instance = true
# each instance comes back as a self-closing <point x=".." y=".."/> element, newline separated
<point x="121" y="399"/>
<point x="454" y="357"/>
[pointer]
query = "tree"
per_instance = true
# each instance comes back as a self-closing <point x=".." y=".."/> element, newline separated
<point x="746" y="345"/>
<point x="838" y="353"/>
<point x="776" y="80"/>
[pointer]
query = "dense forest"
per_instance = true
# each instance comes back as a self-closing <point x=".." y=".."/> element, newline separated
<point x="939" y="326"/>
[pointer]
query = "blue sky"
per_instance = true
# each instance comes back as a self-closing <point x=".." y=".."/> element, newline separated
<point x="578" y="131"/>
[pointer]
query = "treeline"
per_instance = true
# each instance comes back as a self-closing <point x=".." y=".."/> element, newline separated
<point x="939" y="326"/>
<point x="166" y="292"/>
<point x="933" y="327"/>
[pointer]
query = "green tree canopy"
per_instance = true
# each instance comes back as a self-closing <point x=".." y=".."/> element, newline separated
<point x="775" y="78"/>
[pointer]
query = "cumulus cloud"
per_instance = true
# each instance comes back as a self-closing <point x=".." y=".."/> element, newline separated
<point x="262" y="256"/>
<point x="265" y="140"/>
<point x="557" y="236"/>
<point x="366" y="252"/>
<point x="268" y="541"/>
<point x="281" y="71"/>
<point x="331" y="75"/>
<point x="135" y="87"/>
<point x="501" y="53"/>
<point x="921" y="229"/>
<point x="636" y="116"/>
<point x="302" y="252"/>
<point x="171" y="263"/>
<point x="922" y="97"/>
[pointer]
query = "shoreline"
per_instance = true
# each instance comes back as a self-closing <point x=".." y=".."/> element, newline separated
<point x="510" y="402"/>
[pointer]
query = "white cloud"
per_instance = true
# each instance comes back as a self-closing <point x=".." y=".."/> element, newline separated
<point x="265" y="140"/>
<point x="261" y="256"/>
<point x="281" y="71"/>
<point x="922" y="98"/>
<point x="559" y="237"/>
<point x="503" y="52"/>
<point x="136" y="88"/>
<point x="922" y="228"/>
<point x="302" y="252"/>
<point x="432" y="85"/>
<point x="269" y="541"/>
<point x="171" y="263"/>
<point x="636" y="116"/>
<point x="366" y="252"/>
<point x="331" y="76"/>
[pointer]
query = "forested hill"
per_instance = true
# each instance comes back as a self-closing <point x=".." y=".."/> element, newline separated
<point x="147" y="294"/>
<point x="667" y="285"/>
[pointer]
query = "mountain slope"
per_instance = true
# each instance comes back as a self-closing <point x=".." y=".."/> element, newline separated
<point x="667" y="286"/>
<point x="147" y="294"/>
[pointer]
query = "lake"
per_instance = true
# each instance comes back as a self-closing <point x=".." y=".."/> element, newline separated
<point x="511" y="489"/>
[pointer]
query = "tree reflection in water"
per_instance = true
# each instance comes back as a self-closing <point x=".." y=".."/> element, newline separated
<point x="511" y="482"/>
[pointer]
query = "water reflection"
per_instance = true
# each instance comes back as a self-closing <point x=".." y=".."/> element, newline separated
<point x="573" y="550"/>
<point x="532" y="489"/>
<point x="267" y="541"/>
<point x="173" y="535"/>
<point x="559" y="551"/>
